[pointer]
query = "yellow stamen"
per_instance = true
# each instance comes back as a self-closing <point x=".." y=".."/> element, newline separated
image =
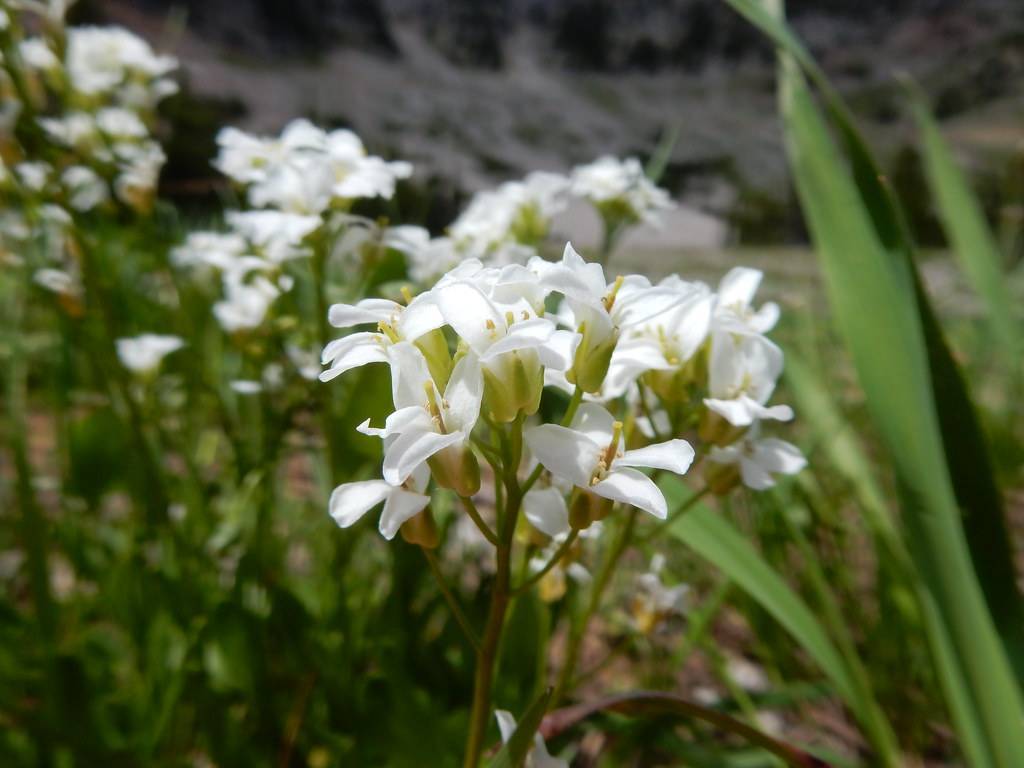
<point x="609" y="299"/>
<point x="435" y="412"/>
<point x="407" y="294"/>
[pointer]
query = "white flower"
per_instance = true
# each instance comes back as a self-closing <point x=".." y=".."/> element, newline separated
<point x="37" y="54"/>
<point x="306" y="361"/>
<point x="517" y="210"/>
<point x="120" y="123"/>
<point x="759" y="459"/>
<point x="735" y="294"/>
<point x="142" y="354"/>
<point x="349" y="502"/>
<point x="276" y="235"/>
<point x="428" y="258"/>
<point x="395" y="324"/>
<point x="34" y="176"/>
<point x="245" y="303"/>
<point x="425" y="423"/>
<point x="246" y="386"/>
<point x="538" y="757"/>
<point x="85" y="188"/>
<point x="139" y="166"/>
<point x="75" y="129"/>
<point x="589" y="454"/>
<point x="742" y="377"/>
<point x="57" y="280"/>
<point x="102" y="59"/>
<point x="609" y="182"/>
<point x="545" y="509"/>
<point x="220" y="250"/>
<point x="652" y="600"/>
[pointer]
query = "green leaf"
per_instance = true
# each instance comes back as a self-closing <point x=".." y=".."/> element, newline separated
<point x="513" y="752"/>
<point x="972" y="241"/>
<point x="876" y="301"/>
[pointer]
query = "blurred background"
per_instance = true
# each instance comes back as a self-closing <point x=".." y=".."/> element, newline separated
<point x="474" y="93"/>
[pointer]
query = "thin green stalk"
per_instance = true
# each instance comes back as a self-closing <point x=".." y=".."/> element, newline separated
<point x="578" y="629"/>
<point x="500" y="597"/>
<point x="453" y="604"/>
<point x="474" y="515"/>
<point x="559" y="553"/>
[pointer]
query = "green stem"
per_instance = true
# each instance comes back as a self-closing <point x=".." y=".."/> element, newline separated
<point x="474" y="515"/>
<point x="559" y="553"/>
<point x="453" y="604"/>
<point x="500" y="597"/>
<point x="579" y="628"/>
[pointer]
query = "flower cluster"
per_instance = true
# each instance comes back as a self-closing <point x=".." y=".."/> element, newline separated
<point x="80" y="104"/>
<point x="506" y="225"/>
<point x="471" y="359"/>
<point x="301" y="185"/>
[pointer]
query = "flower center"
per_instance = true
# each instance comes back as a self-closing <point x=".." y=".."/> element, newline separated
<point x="609" y="299"/>
<point x="610" y="454"/>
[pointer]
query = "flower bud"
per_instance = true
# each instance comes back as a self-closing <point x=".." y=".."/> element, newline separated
<point x="434" y="347"/>
<point x="457" y="469"/>
<point x="721" y="478"/>
<point x="421" y="530"/>
<point x="586" y="508"/>
<point x="513" y="383"/>
<point x="714" y="429"/>
<point x="593" y="357"/>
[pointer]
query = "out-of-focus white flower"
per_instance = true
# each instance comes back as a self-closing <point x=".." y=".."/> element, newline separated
<point x="428" y="258"/>
<point x="75" y="129"/>
<point x="245" y="303"/>
<point x="734" y="311"/>
<point x="58" y="281"/>
<point x="742" y="377"/>
<point x="34" y="176"/>
<point x="139" y="166"/>
<point x="102" y="59"/>
<point x="37" y="54"/>
<point x="518" y="211"/>
<point x="85" y="188"/>
<point x="246" y="386"/>
<point x="350" y="501"/>
<point x="760" y="459"/>
<point x="589" y="454"/>
<point x="121" y="123"/>
<point x="306" y="361"/>
<point x="538" y="756"/>
<point x="220" y="250"/>
<point x="142" y="354"/>
<point x="276" y="235"/>
<point x="653" y="602"/>
<point x="620" y="188"/>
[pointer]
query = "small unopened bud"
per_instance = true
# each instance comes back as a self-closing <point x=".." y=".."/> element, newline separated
<point x="421" y="530"/>
<point x="593" y="357"/>
<point x="716" y="430"/>
<point x="721" y="478"/>
<point x="457" y="469"/>
<point x="513" y="384"/>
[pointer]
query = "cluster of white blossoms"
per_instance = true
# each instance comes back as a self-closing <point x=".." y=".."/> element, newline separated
<point x="505" y="225"/>
<point x="79" y="104"/>
<point x="90" y="95"/>
<point x="477" y="351"/>
<point x="301" y="184"/>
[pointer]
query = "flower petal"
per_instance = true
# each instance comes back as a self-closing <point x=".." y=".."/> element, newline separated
<point x="778" y="456"/>
<point x="545" y="509"/>
<point x="412" y="448"/>
<point x="349" y="502"/>
<point x="672" y="455"/>
<point x="633" y="487"/>
<point x="595" y="422"/>
<point x="365" y="311"/>
<point x="564" y="452"/>
<point x="463" y="394"/>
<point x="400" y="506"/>
<point x="352" y="352"/>
<point x="475" y="319"/>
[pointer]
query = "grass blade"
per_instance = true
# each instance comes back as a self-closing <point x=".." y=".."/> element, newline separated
<point x="716" y="540"/>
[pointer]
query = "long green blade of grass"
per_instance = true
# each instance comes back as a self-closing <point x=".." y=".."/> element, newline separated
<point x="716" y="540"/>
<point x="973" y="243"/>
<point x="963" y="442"/>
<point x="875" y="304"/>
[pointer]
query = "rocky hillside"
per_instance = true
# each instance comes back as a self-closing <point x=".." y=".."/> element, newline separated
<point x="474" y="92"/>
